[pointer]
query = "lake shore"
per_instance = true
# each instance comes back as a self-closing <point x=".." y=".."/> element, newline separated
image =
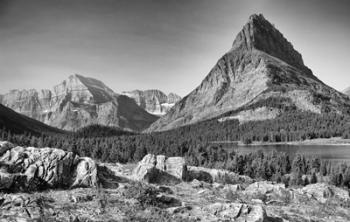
<point x="334" y="141"/>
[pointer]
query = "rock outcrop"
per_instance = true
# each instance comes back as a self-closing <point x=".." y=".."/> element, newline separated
<point x="233" y="212"/>
<point x="32" y="169"/>
<point x="261" y="66"/>
<point x="160" y="169"/>
<point x="77" y="102"/>
<point x="154" y="101"/>
<point x="322" y="192"/>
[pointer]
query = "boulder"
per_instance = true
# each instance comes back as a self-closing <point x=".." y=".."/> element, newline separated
<point x="36" y="169"/>
<point x="160" y="169"/>
<point x="236" y="212"/>
<point x="86" y="173"/>
<point x="216" y="175"/>
<point x="233" y="187"/>
<point x="264" y="187"/>
<point x="269" y="192"/>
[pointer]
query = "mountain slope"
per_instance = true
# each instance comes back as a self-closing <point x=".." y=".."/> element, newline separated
<point x="154" y="101"/>
<point x="261" y="66"/>
<point x="18" y="123"/>
<point x="347" y="91"/>
<point x="77" y="102"/>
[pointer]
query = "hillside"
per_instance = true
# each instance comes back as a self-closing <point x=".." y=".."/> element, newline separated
<point x="18" y="123"/>
<point x="261" y="72"/>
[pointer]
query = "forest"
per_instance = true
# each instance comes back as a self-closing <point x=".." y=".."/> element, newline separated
<point x="195" y="142"/>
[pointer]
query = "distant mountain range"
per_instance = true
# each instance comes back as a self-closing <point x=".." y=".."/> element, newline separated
<point x="254" y="80"/>
<point x="154" y="101"/>
<point x="77" y="102"/>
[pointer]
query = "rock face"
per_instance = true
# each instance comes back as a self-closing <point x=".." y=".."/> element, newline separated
<point x="36" y="169"/>
<point x="154" y="101"/>
<point x="261" y="66"/>
<point x="160" y="169"/>
<point x="77" y="102"/>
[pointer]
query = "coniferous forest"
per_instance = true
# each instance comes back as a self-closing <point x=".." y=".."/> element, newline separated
<point x="195" y="142"/>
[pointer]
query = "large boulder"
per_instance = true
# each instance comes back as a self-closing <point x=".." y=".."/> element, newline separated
<point x="35" y="169"/>
<point x="216" y="175"/>
<point x="160" y="169"/>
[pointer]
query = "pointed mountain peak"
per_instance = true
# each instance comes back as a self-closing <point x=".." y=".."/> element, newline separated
<point x="258" y="33"/>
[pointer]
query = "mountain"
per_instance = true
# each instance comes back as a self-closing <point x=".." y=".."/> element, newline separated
<point x="18" y="123"/>
<point x="154" y="101"/>
<point x="77" y="102"/>
<point x="254" y="80"/>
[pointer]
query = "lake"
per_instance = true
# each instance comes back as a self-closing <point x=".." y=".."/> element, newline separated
<point x="338" y="153"/>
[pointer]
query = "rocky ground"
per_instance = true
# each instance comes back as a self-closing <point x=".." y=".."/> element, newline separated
<point x="165" y="189"/>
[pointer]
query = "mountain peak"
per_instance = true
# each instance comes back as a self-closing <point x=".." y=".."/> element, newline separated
<point x="256" y="16"/>
<point x="259" y="34"/>
<point x="84" y="89"/>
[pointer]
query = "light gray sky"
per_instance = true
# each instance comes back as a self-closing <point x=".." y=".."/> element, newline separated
<point x="165" y="44"/>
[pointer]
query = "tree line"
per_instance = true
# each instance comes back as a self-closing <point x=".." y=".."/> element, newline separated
<point x="195" y="143"/>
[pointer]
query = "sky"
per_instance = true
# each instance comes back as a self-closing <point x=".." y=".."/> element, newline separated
<point x="169" y="45"/>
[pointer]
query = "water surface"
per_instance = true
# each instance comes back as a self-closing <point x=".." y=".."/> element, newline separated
<point x="338" y="153"/>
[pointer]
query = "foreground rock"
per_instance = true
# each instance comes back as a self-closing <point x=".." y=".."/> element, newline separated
<point x="184" y="201"/>
<point x="161" y="169"/>
<point x="233" y="212"/>
<point x="31" y="169"/>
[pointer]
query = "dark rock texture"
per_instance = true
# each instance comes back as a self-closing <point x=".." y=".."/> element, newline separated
<point x="154" y="101"/>
<point x="261" y="64"/>
<point x="77" y="102"/>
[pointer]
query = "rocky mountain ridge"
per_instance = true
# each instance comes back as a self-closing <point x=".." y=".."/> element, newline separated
<point x="77" y="102"/>
<point x="262" y="65"/>
<point x="154" y="101"/>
